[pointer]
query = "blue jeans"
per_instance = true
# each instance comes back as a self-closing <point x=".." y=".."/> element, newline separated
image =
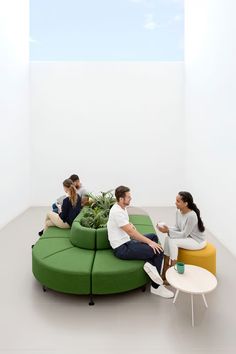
<point x="138" y="250"/>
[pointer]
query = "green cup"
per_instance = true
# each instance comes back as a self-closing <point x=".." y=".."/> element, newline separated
<point x="179" y="267"/>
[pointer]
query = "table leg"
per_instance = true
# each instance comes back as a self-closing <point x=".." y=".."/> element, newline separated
<point x="204" y="299"/>
<point x="176" y="294"/>
<point x="192" y="310"/>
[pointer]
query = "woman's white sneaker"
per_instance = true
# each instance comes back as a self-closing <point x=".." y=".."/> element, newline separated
<point x="153" y="273"/>
<point x="162" y="291"/>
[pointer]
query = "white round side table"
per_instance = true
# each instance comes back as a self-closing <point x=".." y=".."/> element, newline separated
<point x="195" y="280"/>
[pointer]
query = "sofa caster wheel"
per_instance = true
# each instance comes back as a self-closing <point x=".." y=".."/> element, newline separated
<point x="144" y="288"/>
<point x="44" y="288"/>
<point x="32" y="246"/>
<point x="91" y="302"/>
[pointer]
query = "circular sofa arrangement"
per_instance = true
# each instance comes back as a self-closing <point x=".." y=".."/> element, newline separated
<point x="81" y="261"/>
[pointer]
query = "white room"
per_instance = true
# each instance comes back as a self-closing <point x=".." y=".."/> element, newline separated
<point x="156" y="120"/>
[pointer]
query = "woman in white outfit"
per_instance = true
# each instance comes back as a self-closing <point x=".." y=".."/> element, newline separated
<point x="188" y="232"/>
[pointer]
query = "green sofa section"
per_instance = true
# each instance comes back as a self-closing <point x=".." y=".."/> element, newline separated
<point x="83" y="237"/>
<point x="112" y="275"/>
<point x="81" y="261"/>
<point x="55" y="232"/>
<point x="60" y="266"/>
<point x="140" y="220"/>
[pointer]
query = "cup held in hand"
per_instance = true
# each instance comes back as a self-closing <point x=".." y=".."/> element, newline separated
<point x="161" y="224"/>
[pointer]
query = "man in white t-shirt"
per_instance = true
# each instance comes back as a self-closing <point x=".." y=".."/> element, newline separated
<point x="128" y="243"/>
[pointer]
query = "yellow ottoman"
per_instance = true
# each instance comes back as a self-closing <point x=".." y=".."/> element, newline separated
<point x="205" y="258"/>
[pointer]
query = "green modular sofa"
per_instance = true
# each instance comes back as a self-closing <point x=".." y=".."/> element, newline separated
<point x="81" y="261"/>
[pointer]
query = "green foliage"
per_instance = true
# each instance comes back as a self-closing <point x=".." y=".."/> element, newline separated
<point x="96" y="215"/>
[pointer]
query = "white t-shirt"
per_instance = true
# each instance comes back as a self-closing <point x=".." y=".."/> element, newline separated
<point x="118" y="217"/>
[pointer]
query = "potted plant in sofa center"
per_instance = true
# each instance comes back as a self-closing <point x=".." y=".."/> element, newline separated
<point x="96" y="214"/>
<point x="89" y="228"/>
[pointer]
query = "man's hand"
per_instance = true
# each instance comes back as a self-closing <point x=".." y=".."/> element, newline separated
<point x="133" y="233"/>
<point x="155" y="246"/>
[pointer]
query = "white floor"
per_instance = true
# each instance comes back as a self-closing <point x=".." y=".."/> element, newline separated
<point x="35" y="322"/>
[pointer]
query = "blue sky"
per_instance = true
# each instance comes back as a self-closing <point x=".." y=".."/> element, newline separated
<point x="107" y="30"/>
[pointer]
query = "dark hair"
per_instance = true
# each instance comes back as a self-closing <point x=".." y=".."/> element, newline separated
<point x="68" y="183"/>
<point x="120" y="192"/>
<point x="187" y="198"/>
<point x="74" y="178"/>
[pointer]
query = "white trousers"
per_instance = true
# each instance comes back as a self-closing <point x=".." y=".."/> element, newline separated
<point x="53" y="219"/>
<point x="172" y="245"/>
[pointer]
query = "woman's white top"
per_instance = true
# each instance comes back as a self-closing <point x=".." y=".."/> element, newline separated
<point x="187" y="226"/>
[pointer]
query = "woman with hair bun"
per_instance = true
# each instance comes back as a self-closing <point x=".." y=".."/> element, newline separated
<point x="188" y="232"/>
<point x="70" y="208"/>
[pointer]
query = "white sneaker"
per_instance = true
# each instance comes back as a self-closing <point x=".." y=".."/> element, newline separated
<point x="162" y="291"/>
<point x="153" y="273"/>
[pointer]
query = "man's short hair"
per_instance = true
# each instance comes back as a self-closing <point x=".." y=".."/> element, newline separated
<point x="120" y="192"/>
<point x="74" y="178"/>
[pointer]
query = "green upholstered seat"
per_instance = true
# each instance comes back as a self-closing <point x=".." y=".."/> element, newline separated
<point x="83" y="237"/>
<point x="60" y="266"/>
<point x="47" y="246"/>
<point x="140" y="220"/>
<point x="145" y="229"/>
<point x="112" y="275"/>
<point x="53" y="232"/>
<point x="102" y="239"/>
<point x="81" y="261"/>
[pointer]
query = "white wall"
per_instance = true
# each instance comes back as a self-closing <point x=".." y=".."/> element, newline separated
<point x="14" y="109"/>
<point x="211" y="112"/>
<point x="112" y="123"/>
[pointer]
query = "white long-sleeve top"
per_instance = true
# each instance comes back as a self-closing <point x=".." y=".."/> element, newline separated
<point x="186" y="226"/>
